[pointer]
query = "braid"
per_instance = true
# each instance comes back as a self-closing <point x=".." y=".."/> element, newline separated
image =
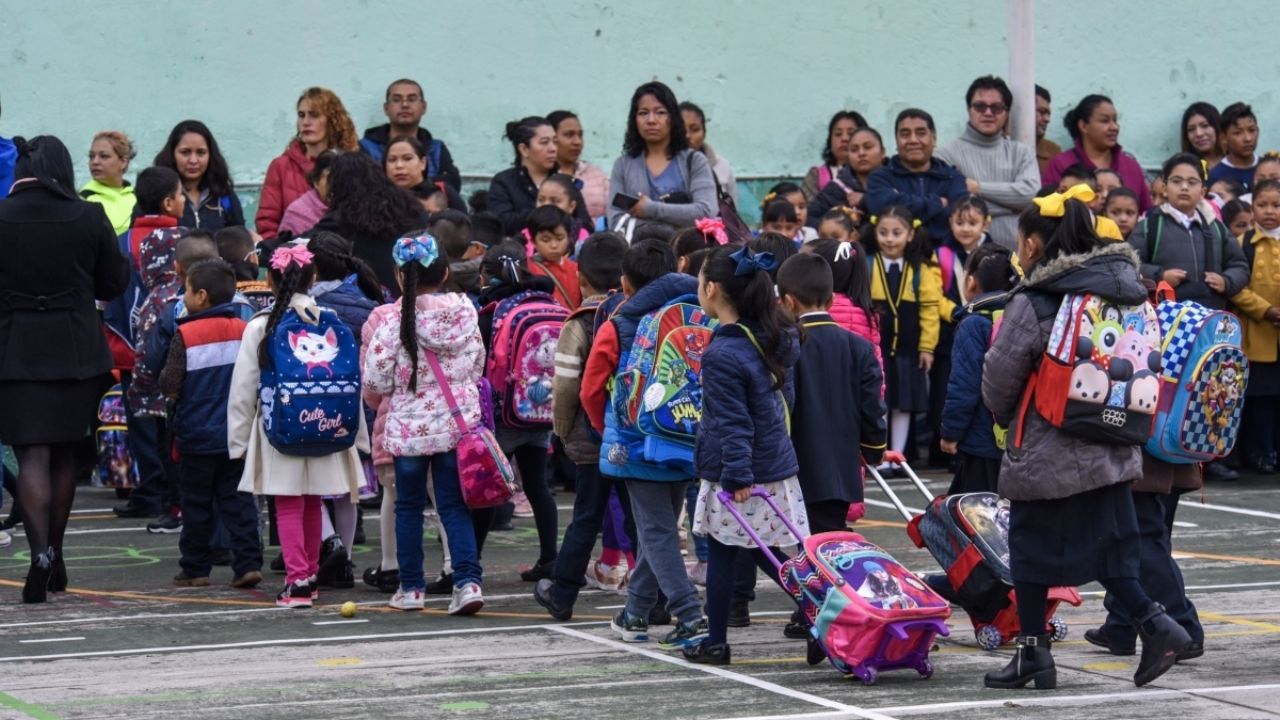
<point x="408" y="320"/>
<point x="287" y="285"/>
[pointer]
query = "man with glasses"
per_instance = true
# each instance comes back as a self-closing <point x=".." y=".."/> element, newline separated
<point x="405" y="105"/>
<point x="1001" y="171"/>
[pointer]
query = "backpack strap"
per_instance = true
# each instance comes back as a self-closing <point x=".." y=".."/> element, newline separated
<point x="824" y="175"/>
<point x="786" y="411"/>
<point x="560" y="288"/>
<point x="947" y="262"/>
<point x="1153" y="236"/>
<point x="443" y="382"/>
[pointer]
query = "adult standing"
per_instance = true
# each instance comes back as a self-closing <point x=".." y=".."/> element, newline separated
<point x="673" y="183"/>
<point x="1001" y="171"/>
<point x="323" y="123"/>
<point x="405" y="107"/>
<point x="839" y="132"/>
<point x="1095" y="131"/>
<point x="849" y="188"/>
<point x="695" y="126"/>
<point x="405" y="161"/>
<point x="109" y="158"/>
<point x="915" y="178"/>
<point x="514" y="191"/>
<point x="590" y="179"/>
<point x="1200" y="133"/>
<point x="60" y="256"/>
<point x="191" y="151"/>
<point x="1046" y="149"/>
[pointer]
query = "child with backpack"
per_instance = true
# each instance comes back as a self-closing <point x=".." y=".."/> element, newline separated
<point x="197" y="379"/>
<point x="427" y="361"/>
<point x="600" y="276"/>
<point x="655" y="483"/>
<point x="1259" y="308"/>
<point x="967" y="430"/>
<point x="906" y="292"/>
<point x="313" y="449"/>
<point x="520" y="325"/>
<point x="1067" y="474"/>
<point x="747" y="388"/>
<point x="548" y="229"/>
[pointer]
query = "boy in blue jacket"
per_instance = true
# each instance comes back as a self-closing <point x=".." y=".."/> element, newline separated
<point x="196" y="377"/>
<point x="968" y="428"/>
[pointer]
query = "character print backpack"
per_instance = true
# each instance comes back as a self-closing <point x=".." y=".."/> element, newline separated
<point x="115" y="463"/>
<point x="310" y="392"/>
<point x="1099" y="377"/>
<point x="1203" y="372"/>
<point x="657" y="393"/>
<point x="522" y="357"/>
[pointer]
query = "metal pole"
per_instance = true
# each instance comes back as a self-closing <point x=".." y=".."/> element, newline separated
<point x="1022" y="71"/>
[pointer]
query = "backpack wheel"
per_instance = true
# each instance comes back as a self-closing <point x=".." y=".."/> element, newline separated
<point x="925" y="669"/>
<point x="1060" y="628"/>
<point x="989" y="638"/>
<point x="869" y="676"/>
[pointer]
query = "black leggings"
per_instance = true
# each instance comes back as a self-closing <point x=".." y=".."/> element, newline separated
<point x="532" y="461"/>
<point x="721" y="562"/>
<point x="47" y="485"/>
<point x="1033" y="602"/>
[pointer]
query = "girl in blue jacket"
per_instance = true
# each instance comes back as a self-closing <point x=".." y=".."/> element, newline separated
<point x="744" y="436"/>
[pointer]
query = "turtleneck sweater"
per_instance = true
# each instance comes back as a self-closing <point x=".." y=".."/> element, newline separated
<point x="1007" y="174"/>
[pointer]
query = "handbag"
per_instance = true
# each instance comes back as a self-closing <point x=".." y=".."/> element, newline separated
<point x="484" y="473"/>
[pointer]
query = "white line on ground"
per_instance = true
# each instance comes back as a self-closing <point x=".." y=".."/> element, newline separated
<point x="1190" y="503"/>
<point x="143" y="616"/>
<point x="727" y="674"/>
<point x="339" y="622"/>
<point x="91" y="511"/>
<point x="53" y="640"/>
<point x="1180" y="523"/>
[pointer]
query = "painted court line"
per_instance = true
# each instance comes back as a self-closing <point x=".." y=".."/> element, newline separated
<point x="52" y="640"/>
<point x="339" y="622"/>
<point x="144" y="616"/>
<point x="721" y="672"/>
<point x="1185" y="502"/>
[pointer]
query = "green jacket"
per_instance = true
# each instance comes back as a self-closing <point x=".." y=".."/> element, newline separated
<point x="118" y="203"/>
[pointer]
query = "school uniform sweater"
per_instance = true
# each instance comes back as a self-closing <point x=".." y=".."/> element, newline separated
<point x="1163" y="242"/>
<point x="909" y="320"/>
<point x="1225" y="170"/>
<point x="1007" y="173"/>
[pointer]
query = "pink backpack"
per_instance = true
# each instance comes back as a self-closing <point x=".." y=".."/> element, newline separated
<point x="522" y="358"/>
<point x="484" y="473"/>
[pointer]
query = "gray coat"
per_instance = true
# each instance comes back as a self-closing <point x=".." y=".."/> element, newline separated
<point x="631" y="177"/>
<point x="1051" y="464"/>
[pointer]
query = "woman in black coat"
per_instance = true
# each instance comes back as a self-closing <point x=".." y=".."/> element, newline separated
<point x="60" y="254"/>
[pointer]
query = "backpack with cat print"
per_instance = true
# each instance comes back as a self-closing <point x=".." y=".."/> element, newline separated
<point x="522" y="358"/>
<point x="1099" y="377"/>
<point x="657" y="393"/>
<point x="310" y="391"/>
<point x="1203" y="376"/>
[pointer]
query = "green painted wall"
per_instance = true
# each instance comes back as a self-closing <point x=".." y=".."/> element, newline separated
<point x="768" y="74"/>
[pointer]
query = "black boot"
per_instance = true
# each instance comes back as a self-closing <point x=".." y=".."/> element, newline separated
<point x="58" y="574"/>
<point x="37" y="588"/>
<point x="1031" y="661"/>
<point x="1162" y="639"/>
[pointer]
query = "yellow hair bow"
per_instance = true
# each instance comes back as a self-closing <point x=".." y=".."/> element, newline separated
<point x="768" y="199"/>
<point x="915" y="224"/>
<point x="1055" y="205"/>
<point x="875" y="219"/>
<point x="1271" y="154"/>
<point x="1107" y="229"/>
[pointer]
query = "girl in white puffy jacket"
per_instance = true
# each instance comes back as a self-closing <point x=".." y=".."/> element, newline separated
<point x="420" y="432"/>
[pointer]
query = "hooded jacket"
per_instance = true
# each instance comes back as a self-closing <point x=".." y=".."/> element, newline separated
<point x="118" y="202"/>
<point x="286" y="181"/>
<point x="420" y="423"/>
<point x="151" y="335"/>
<point x="1049" y="463"/>
<point x="376" y="138"/>
<point x="919" y="192"/>
<point x="303" y="214"/>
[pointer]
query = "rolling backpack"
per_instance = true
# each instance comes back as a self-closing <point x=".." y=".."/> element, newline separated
<point x="115" y="466"/>
<point x="657" y="393"/>
<point x="1203" y="375"/>
<point x="310" y="391"/>
<point x="1099" y="376"/>
<point x="522" y="357"/>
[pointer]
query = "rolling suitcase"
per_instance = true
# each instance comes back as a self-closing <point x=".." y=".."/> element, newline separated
<point x="866" y="611"/>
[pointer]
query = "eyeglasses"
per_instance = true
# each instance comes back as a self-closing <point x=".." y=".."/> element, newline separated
<point x="994" y="109"/>
<point x="1184" y="182"/>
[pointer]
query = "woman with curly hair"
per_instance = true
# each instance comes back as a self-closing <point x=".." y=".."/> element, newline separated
<point x="366" y="208"/>
<point x="323" y="123"/>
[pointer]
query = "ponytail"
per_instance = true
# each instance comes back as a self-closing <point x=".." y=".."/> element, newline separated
<point x="295" y="277"/>
<point x="423" y="268"/>
<point x="1071" y="233"/>
<point x="409" y="319"/>
<point x="744" y="277"/>
<point x="505" y="262"/>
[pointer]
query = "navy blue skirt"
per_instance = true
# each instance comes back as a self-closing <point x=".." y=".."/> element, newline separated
<point x="1074" y="540"/>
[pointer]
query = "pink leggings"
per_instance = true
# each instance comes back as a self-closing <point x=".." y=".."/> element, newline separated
<point x="298" y="517"/>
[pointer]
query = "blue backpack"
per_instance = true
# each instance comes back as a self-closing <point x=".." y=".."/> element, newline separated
<point x="310" y="393"/>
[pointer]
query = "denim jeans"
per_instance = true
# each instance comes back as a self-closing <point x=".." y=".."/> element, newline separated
<point x="411" y="500"/>
<point x="590" y="505"/>
<point x="210" y="498"/>
<point x="655" y="505"/>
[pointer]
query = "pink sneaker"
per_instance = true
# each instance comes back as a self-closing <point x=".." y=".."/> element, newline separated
<point x="523" y="508"/>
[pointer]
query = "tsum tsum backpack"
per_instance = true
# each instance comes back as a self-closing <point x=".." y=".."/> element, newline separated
<point x="1203" y="375"/>
<point x="1099" y="377"/>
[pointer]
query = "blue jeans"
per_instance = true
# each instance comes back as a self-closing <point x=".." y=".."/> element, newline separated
<point x="411" y="500"/>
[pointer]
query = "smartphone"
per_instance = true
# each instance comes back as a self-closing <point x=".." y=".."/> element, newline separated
<point x="624" y="201"/>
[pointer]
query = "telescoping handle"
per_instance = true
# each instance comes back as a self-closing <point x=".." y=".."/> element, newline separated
<point x="897" y="458"/>
<point x="726" y="498"/>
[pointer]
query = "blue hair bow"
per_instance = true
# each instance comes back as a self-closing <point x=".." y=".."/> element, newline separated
<point x="421" y="249"/>
<point x="749" y="262"/>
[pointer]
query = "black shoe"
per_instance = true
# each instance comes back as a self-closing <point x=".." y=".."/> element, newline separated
<point x="796" y="631"/>
<point x="1099" y="637"/>
<point x="1162" y="640"/>
<point x="36" y="589"/>
<point x="442" y="585"/>
<point x="542" y="594"/>
<point x="1219" y="472"/>
<point x="739" y="614"/>
<point x="344" y="578"/>
<point x="58" y="576"/>
<point x="1191" y="652"/>
<point x="359" y="538"/>
<point x="813" y="652"/>
<point x="704" y="654"/>
<point x="540" y="571"/>
<point x="372" y="503"/>
<point x="166" y="524"/>
<point x="333" y="560"/>
<point x="387" y="581"/>
<point x="1031" y="661"/>
<point x="277" y="564"/>
<point x="502" y="527"/>
<point x="130" y="509"/>
<point x="659" y="616"/>
<point x="220" y="557"/>
<point x="11" y="522"/>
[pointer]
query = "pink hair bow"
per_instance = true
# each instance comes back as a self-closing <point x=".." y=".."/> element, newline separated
<point x="713" y="227"/>
<point x="290" y="254"/>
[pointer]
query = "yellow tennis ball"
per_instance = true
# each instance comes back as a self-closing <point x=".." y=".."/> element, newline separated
<point x="348" y="609"/>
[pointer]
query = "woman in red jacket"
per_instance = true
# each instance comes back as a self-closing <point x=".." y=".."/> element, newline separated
<point x="323" y="123"/>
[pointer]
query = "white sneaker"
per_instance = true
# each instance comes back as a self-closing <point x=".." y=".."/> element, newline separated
<point x="5" y="539"/>
<point x="407" y="600"/>
<point x="467" y="600"/>
<point x="605" y="577"/>
<point x="523" y="508"/>
<point x="698" y="573"/>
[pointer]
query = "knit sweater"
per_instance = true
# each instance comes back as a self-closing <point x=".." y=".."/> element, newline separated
<point x="1006" y="172"/>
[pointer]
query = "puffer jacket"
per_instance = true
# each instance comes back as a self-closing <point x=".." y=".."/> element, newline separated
<point x="420" y="423"/>
<point x="379" y="403"/>
<point x="964" y="418"/>
<point x="1049" y="463"/>
<point x="744" y="439"/>
<point x="286" y="181"/>
<point x="860" y="323"/>
<point x="345" y="298"/>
